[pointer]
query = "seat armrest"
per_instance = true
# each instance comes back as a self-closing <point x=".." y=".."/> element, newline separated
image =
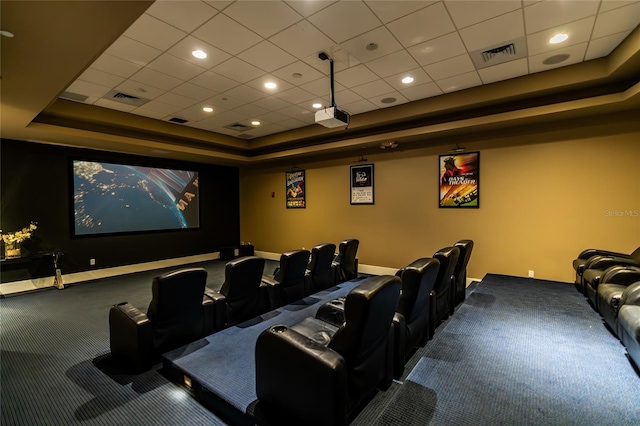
<point x="219" y="308"/>
<point x="589" y="253"/>
<point x="332" y="312"/>
<point x="208" y="315"/>
<point x="604" y="262"/>
<point x="272" y="288"/>
<point x="299" y="381"/>
<point x="399" y="337"/>
<point x="432" y="314"/>
<point x="130" y="337"/>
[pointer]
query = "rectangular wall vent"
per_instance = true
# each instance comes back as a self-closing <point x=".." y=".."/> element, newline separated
<point x="238" y="127"/>
<point x="504" y="52"/>
<point x="125" y="98"/>
<point x="70" y="96"/>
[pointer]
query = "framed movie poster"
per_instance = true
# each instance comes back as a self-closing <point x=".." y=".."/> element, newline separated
<point x="362" y="184"/>
<point x="295" y="190"/>
<point x="459" y="180"/>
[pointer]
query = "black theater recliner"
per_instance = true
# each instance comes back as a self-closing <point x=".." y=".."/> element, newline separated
<point x="179" y="313"/>
<point x="613" y="292"/>
<point x="412" y="327"/>
<point x="288" y="282"/>
<point x="445" y="282"/>
<point x="345" y="263"/>
<point x="316" y="373"/>
<point x="460" y="273"/>
<point x="320" y="274"/>
<point x="589" y="256"/>
<point x="242" y="296"/>
<point x="596" y="267"/>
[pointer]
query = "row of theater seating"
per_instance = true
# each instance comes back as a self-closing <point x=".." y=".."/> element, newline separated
<point x="611" y="282"/>
<point x="183" y="309"/>
<point x="322" y="370"/>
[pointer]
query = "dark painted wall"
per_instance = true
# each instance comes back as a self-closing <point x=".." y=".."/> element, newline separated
<point x="35" y="186"/>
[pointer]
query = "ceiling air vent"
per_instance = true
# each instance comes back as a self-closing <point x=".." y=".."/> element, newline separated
<point x="125" y="98"/>
<point x="238" y="127"/>
<point x="178" y="120"/>
<point x="494" y="55"/>
<point x="70" y="96"/>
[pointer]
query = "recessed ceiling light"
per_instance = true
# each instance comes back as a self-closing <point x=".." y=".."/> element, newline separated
<point x="407" y="80"/>
<point x="255" y="123"/>
<point x="207" y="109"/>
<point x="199" y="54"/>
<point x="270" y="85"/>
<point x="317" y="105"/>
<point x="558" y="38"/>
<point x="6" y="33"/>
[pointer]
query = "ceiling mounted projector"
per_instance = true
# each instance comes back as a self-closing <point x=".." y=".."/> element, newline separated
<point x="331" y="117"/>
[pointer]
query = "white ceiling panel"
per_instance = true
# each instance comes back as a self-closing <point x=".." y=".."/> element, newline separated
<point x="184" y="50"/>
<point x="542" y="62"/>
<point x="392" y="64"/>
<point x="449" y="67"/>
<point x="419" y="76"/>
<point x="302" y="40"/>
<point x="248" y="42"/>
<point x="155" y="33"/>
<point x="388" y="11"/>
<point x="263" y="17"/>
<point x="238" y="70"/>
<point x="344" y="20"/>
<point x="493" y="32"/>
<point x="577" y="31"/>
<point x="504" y="71"/>
<point x="185" y="15"/>
<point x="617" y="20"/>
<point x="551" y="13"/>
<point x="468" y="12"/>
<point x="438" y="49"/>
<point x="425" y="24"/>
<point x="267" y="56"/>
<point x="421" y="92"/>
<point x="226" y="34"/>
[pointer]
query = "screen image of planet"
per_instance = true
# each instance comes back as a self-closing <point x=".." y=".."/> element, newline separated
<point x="114" y="198"/>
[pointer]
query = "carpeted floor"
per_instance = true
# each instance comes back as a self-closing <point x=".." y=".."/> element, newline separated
<point x="517" y="352"/>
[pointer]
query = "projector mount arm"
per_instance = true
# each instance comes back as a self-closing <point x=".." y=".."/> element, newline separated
<point x="323" y="56"/>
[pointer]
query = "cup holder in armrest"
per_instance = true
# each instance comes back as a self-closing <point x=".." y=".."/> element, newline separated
<point x="279" y="328"/>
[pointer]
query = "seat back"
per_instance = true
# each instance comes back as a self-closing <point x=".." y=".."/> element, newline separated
<point x="176" y="310"/>
<point x="448" y="257"/>
<point x="347" y="251"/>
<point x="460" y="272"/>
<point x="418" y="279"/>
<point x="636" y="255"/>
<point x="320" y="266"/>
<point x="290" y="275"/>
<point x="241" y="287"/>
<point x="364" y="337"/>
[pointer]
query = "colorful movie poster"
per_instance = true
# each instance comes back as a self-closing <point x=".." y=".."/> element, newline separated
<point x="362" y="184"/>
<point x="460" y="180"/>
<point x="295" y="190"/>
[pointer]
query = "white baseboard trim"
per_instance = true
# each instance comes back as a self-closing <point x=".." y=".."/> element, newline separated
<point x="77" y="277"/>
<point x="74" y="278"/>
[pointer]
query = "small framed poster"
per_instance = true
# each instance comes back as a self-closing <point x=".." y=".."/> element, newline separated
<point x="362" y="184"/>
<point x="295" y="189"/>
<point x="459" y="180"/>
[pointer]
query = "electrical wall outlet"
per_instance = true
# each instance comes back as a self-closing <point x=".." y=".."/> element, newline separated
<point x="530" y="273"/>
<point x="92" y="262"/>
